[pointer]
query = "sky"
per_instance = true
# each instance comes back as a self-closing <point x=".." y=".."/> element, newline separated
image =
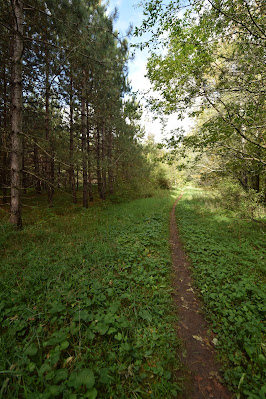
<point x="130" y="13"/>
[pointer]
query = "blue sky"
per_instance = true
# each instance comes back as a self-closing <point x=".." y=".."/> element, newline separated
<point x="130" y="13"/>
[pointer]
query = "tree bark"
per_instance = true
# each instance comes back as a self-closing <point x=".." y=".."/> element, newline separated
<point x="5" y="141"/>
<point x="58" y="175"/>
<point x="84" y="144"/>
<point x="110" y="163"/>
<point x="49" y="163"/>
<point x="16" y="115"/>
<point x="71" y="145"/>
<point x="103" y="158"/>
<point x="243" y="180"/>
<point x="256" y="182"/>
<point x="98" y="162"/>
<point x="77" y="178"/>
<point x="89" y="157"/>
<point x="36" y="168"/>
<point x="24" y="175"/>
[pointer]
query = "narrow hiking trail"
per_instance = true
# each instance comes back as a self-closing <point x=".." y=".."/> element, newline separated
<point x="202" y="377"/>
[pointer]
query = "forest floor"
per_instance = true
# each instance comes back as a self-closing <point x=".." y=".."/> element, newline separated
<point x="85" y="302"/>
<point x="202" y="375"/>
<point x="88" y="308"/>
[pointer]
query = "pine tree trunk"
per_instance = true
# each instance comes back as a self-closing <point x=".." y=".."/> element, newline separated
<point x="16" y="115"/>
<point x="98" y="162"/>
<point x="36" y="168"/>
<point x="52" y="172"/>
<point x="77" y="178"/>
<point x="24" y="175"/>
<point x="84" y="146"/>
<point x="110" y="163"/>
<point x="89" y="157"/>
<point x="59" y="175"/>
<point x="5" y="141"/>
<point x="49" y="165"/>
<point x="104" y="176"/>
<point x="71" y="145"/>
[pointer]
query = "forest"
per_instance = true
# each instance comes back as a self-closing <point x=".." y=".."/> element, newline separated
<point x="97" y="288"/>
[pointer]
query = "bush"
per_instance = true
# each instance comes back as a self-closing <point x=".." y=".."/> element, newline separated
<point x="247" y="204"/>
<point x="163" y="183"/>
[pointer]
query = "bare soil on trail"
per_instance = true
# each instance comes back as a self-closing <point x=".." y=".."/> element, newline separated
<point x="202" y="375"/>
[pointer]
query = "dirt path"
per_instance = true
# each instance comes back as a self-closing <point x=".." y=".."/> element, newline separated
<point x="198" y="354"/>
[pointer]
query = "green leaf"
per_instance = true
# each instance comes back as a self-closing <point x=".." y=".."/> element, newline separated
<point x="60" y="375"/>
<point x="119" y="336"/>
<point x="104" y="376"/>
<point x="82" y="315"/>
<point x="84" y="377"/>
<point x="89" y="334"/>
<point x="101" y="328"/>
<point x="112" y="330"/>
<point x="54" y="390"/>
<point x="91" y="394"/>
<point x="44" y="368"/>
<point x="31" y="367"/>
<point x="126" y="347"/>
<point x="145" y="315"/>
<point x="64" y="345"/>
<point x="31" y="350"/>
<point x="109" y="318"/>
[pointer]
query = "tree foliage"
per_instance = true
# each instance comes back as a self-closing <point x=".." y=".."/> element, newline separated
<point x="211" y="64"/>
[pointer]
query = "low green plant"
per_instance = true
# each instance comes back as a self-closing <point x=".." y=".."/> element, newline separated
<point x="228" y="262"/>
<point x="245" y="204"/>
<point x="85" y="303"/>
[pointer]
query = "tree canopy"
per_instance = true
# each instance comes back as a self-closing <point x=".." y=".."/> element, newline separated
<point x="208" y="60"/>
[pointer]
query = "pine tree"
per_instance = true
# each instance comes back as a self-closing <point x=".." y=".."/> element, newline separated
<point x="16" y="113"/>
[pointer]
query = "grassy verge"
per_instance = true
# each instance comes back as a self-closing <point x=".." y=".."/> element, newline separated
<point x="85" y="303"/>
<point x="228" y="259"/>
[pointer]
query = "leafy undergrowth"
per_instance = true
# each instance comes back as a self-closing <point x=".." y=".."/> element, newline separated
<point x="85" y="303"/>
<point x="228" y="259"/>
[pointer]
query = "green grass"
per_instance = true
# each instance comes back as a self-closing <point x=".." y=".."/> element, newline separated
<point x="228" y="259"/>
<point x="85" y="302"/>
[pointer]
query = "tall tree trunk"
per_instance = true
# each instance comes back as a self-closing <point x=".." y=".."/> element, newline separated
<point x="52" y="171"/>
<point x="49" y="165"/>
<point x="24" y="175"/>
<point x="110" y="163"/>
<point x="104" y="176"/>
<point x="5" y="140"/>
<point x="256" y="182"/>
<point x="77" y="178"/>
<point x="84" y="144"/>
<point x="58" y="175"/>
<point x="16" y="115"/>
<point x="89" y="157"/>
<point x="36" y="168"/>
<point x="243" y="180"/>
<point x="71" y="145"/>
<point x="98" y="162"/>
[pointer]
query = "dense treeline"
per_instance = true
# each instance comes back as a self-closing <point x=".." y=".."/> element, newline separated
<point x="63" y="117"/>
<point x="212" y="67"/>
